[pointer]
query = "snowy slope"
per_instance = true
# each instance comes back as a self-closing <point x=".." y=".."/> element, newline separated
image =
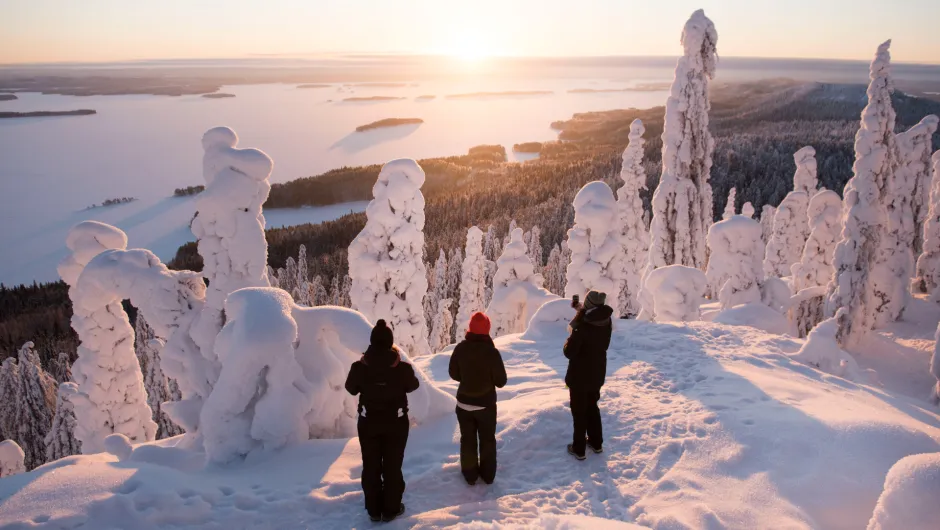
<point x="706" y="426"/>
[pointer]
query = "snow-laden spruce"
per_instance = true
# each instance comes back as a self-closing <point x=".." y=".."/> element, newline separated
<point x="791" y="224"/>
<point x="295" y="391"/>
<point x="517" y="289"/>
<point x="729" y="204"/>
<point x="767" y="214"/>
<point x="634" y="236"/>
<point x="682" y="204"/>
<point x="556" y="267"/>
<point x="909" y="499"/>
<point x="595" y="244"/>
<point x="36" y="405"/>
<point x="915" y="145"/>
<point x="734" y="267"/>
<point x="229" y="228"/>
<point x="111" y="394"/>
<point x="148" y="348"/>
<point x="814" y="271"/>
<point x="472" y="280"/>
<point x="747" y="210"/>
<point x="928" y="263"/>
<point x="870" y="288"/>
<point x="389" y="278"/>
<point x="60" y="440"/>
<point x="533" y="239"/>
<point x="673" y="294"/>
<point x="11" y="459"/>
<point x="442" y="326"/>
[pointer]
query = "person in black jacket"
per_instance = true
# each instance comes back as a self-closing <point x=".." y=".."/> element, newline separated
<point x="382" y="381"/>
<point x="586" y="350"/>
<point x="478" y="366"/>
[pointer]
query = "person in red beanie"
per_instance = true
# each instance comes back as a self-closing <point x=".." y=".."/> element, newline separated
<point x="477" y="365"/>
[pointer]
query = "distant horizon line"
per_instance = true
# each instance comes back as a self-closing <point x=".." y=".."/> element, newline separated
<point x="390" y="55"/>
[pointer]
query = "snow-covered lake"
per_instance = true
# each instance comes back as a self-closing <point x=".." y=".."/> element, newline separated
<point x="51" y="169"/>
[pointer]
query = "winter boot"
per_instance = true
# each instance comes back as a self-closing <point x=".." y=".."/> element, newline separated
<point x="597" y="450"/>
<point x="576" y="455"/>
<point x="390" y="518"/>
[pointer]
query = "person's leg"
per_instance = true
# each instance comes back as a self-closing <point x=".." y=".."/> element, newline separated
<point x="371" y="446"/>
<point x="578" y="416"/>
<point x="469" y="462"/>
<point x="396" y="438"/>
<point x="486" y="425"/>
<point x="595" y="431"/>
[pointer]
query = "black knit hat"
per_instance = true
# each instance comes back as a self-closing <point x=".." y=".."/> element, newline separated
<point x="382" y="337"/>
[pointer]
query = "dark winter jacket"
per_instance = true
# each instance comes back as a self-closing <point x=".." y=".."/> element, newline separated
<point x="478" y="366"/>
<point x="382" y="380"/>
<point x="586" y="349"/>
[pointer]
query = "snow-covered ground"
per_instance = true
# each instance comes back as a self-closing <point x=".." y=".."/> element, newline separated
<point x="706" y="426"/>
<point x="32" y="247"/>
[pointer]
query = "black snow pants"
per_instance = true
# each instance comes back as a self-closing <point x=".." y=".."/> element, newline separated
<point x="383" y="443"/>
<point x="476" y="424"/>
<point x="587" y="418"/>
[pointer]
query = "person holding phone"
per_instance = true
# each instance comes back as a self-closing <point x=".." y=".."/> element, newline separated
<point x="586" y="350"/>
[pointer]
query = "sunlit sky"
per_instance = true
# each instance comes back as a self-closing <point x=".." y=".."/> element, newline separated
<point x="109" y="30"/>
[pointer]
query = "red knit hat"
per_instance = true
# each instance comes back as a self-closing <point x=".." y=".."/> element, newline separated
<point x="479" y="324"/>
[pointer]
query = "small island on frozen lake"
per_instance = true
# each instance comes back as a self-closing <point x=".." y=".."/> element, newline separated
<point x="8" y="97"/>
<point x="218" y="95"/>
<point x="47" y="113"/>
<point x="527" y="147"/>
<point x="314" y="85"/>
<point x="373" y="98"/>
<point x="498" y="94"/>
<point x="389" y="122"/>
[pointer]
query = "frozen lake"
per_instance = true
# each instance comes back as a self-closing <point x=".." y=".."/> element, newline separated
<point x="51" y="169"/>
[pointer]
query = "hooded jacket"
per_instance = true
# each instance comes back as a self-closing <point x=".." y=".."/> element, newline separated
<point x="586" y="348"/>
<point x="382" y="381"/>
<point x="478" y="366"/>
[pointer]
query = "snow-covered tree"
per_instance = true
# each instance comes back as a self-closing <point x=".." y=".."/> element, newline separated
<point x="389" y="279"/>
<point x="734" y="267"/>
<point x="36" y="407"/>
<point x="634" y="236"/>
<point x="767" y="215"/>
<point x="318" y="293"/>
<point x="594" y="241"/>
<point x="556" y="268"/>
<point x="60" y="441"/>
<point x="492" y="244"/>
<point x="442" y="326"/>
<point x="791" y="228"/>
<point x="928" y="263"/>
<point x="534" y="243"/>
<point x="512" y="226"/>
<point x="805" y="179"/>
<point x="303" y="292"/>
<point x="61" y="369"/>
<point x="729" y="204"/>
<point x="12" y="459"/>
<point x="869" y="289"/>
<point x="517" y="289"/>
<point x="747" y="210"/>
<point x="915" y="145"/>
<point x="682" y="204"/>
<point x="814" y="271"/>
<point x="673" y="294"/>
<point x="229" y="229"/>
<point x="148" y="348"/>
<point x="473" y="280"/>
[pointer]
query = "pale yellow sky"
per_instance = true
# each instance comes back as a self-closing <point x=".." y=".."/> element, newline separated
<point x="109" y="30"/>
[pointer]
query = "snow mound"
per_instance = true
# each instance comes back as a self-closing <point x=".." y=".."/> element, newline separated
<point x="673" y="294"/>
<point x="548" y="316"/>
<point x="756" y="315"/>
<point x="11" y="459"/>
<point x="118" y="445"/>
<point x="909" y="500"/>
<point x="822" y="351"/>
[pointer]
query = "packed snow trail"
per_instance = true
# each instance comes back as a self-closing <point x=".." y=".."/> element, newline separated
<point x="706" y="426"/>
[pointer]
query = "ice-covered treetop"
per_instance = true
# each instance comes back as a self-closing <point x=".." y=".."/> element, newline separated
<point x="595" y="207"/>
<point x="700" y="43"/>
<point x="474" y="236"/>
<point x="86" y="240"/>
<point x="735" y="230"/>
<point x="398" y="195"/>
<point x="636" y="132"/>
<point x="881" y="64"/>
<point x="825" y="206"/>
<point x="220" y="153"/>
<point x="805" y="177"/>
<point x="265" y="315"/>
<point x="514" y="263"/>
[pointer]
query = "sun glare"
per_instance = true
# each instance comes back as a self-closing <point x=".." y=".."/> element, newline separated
<point x="470" y="48"/>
